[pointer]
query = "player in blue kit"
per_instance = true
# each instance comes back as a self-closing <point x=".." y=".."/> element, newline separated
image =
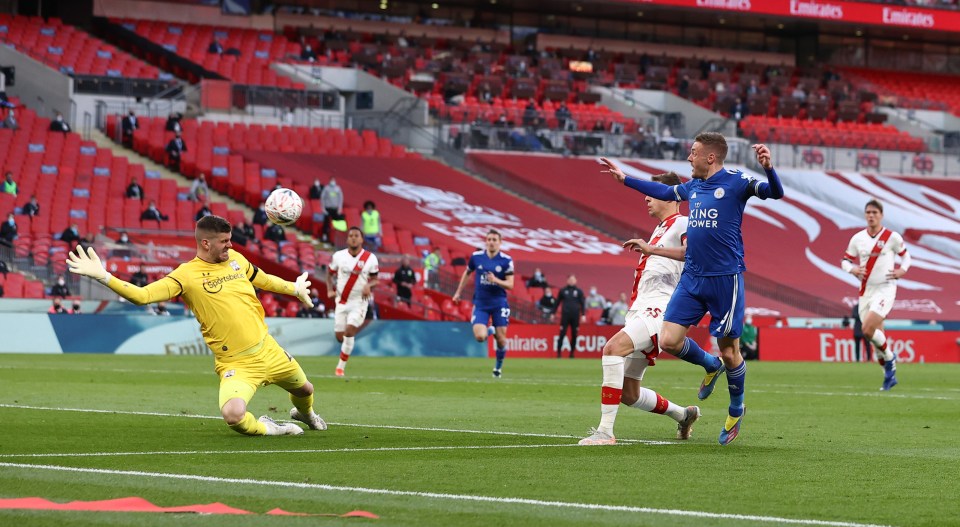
<point x="494" y="278"/>
<point x="712" y="279"/>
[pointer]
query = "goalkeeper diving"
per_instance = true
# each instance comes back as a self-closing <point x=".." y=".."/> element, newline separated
<point x="218" y="285"/>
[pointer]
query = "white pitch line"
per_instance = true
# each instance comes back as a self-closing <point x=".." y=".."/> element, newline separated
<point x="357" y="425"/>
<point x="445" y="496"/>
<point x="291" y="451"/>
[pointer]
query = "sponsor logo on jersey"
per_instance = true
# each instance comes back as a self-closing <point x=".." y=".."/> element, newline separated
<point x="214" y="285"/>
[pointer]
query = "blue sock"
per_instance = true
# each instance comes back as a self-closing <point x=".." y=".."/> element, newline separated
<point x="694" y="354"/>
<point x="890" y="368"/>
<point x="735" y="380"/>
<point x="501" y="353"/>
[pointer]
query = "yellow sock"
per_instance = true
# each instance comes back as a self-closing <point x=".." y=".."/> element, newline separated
<point x="250" y="426"/>
<point x="303" y="404"/>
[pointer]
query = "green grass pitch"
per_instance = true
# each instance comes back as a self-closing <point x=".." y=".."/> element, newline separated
<point x="440" y="442"/>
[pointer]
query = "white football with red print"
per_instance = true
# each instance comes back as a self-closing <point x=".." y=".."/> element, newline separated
<point x="283" y="206"/>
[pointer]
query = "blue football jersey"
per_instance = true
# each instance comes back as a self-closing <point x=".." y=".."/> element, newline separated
<point x="485" y="292"/>
<point x="714" y="237"/>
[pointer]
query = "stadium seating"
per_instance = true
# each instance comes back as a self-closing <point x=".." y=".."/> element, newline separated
<point x="256" y="50"/>
<point x="71" y="50"/>
<point x="825" y="133"/>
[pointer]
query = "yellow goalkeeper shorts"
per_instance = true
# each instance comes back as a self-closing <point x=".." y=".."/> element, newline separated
<point x="241" y="376"/>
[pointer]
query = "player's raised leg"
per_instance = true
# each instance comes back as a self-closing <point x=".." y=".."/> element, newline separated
<point x="674" y="340"/>
<point x="873" y="330"/>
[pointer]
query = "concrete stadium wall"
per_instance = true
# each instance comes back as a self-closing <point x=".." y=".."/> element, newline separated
<point x="38" y="86"/>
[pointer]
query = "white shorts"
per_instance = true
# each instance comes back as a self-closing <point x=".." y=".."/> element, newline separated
<point x="349" y="314"/>
<point x="643" y="330"/>
<point x="879" y="299"/>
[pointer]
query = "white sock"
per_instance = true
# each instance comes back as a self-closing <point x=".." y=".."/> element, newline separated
<point x="345" y="350"/>
<point x="880" y="340"/>
<point x="610" y="391"/>
<point x="651" y="401"/>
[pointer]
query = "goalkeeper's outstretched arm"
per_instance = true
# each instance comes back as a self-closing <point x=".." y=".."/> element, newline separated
<point x="300" y="288"/>
<point x="87" y="263"/>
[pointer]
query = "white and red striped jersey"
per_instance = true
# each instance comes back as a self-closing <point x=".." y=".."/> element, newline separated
<point x="353" y="273"/>
<point x="875" y="254"/>
<point x="656" y="277"/>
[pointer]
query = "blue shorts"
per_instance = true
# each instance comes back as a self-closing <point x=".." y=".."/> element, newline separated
<point x="721" y="296"/>
<point x="500" y="313"/>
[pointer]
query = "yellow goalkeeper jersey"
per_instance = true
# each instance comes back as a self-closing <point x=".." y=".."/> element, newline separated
<point x="222" y="297"/>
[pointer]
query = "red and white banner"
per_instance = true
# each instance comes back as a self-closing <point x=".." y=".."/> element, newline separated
<point x="540" y="341"/>
<point x="838" y="11"/>
<point x="836" y="345"/>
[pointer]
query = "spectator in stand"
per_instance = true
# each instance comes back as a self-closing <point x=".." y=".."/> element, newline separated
<point x="71" y="234"/>
<point x="199" y="191"/>
<point x="748" y="340"/>
<point x="618" y="311"/>
<point x="530" y="114"/>
<point x="123" y="239"/>
<point x="9" y="185"/>
<point x="139" y="278"/>
<point x="753" y="88"/>
<point x="485" y="92"/>
<point x="215" y="47"/>
<point x="538" y="279"/>
<point x="8" y="231"/>
<point x="31" y="208"/>
<point x="60" y="287"/>
<point x="57" y="307"/>
<point x="134" y="190"/>
<point x="175" y="149"/>
<point x="160" y="309"/>
<point x="319" y="310"/>
<point x="76" y="308"/>
<point x="59" y="125"/>
<point x="547" y="304"/>
<point x="238" y="236"/>
<point x="10" y="123"/>
<point x="128" y="126"/>
<point x="799" y="94"/>
<point x="595" y="300"/>
<point x="331" y="199"/>
<point x="173" y="123"/>
<point x="371" y="225"/>
<point x="307" y="53"/>
<point x="598" y="126"/>
<point x="203" y="211"/>
<point x="563" y="115"/>
<point x="431" y="268"/>
<point x="275" y="233"/>
<point x="260" y="215"/>
<point x="405" y="279"/>
<point x="316" y="190"/>
<point x="683" y="87"/>
<point x="151" y="213"/>
<point x="740" y="109"/>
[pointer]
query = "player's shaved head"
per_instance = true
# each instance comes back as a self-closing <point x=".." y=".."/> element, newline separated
<point x="669" y="178"/>
<point x="713" y="142"/>
<point x="210" y="226"/>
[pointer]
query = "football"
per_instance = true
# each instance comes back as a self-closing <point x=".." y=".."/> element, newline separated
<point x="283" y="206"/>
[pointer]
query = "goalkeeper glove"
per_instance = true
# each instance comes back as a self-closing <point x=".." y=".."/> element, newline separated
<point x="301" y="289"/>
<point x="87" y="263"/>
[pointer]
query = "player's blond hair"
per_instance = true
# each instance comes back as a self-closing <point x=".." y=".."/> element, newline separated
<point x="715" y="142"/>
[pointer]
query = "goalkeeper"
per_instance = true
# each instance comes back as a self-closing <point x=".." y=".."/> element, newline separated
<point x="218" y="285"/>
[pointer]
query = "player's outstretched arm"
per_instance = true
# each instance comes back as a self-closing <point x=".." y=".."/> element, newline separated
<point x="773" y="189"/>
<point x="650" y="188"/>
<point x="463" y="282"/>
<point x="300" y="288"/>
<point x="87" y="263"/>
